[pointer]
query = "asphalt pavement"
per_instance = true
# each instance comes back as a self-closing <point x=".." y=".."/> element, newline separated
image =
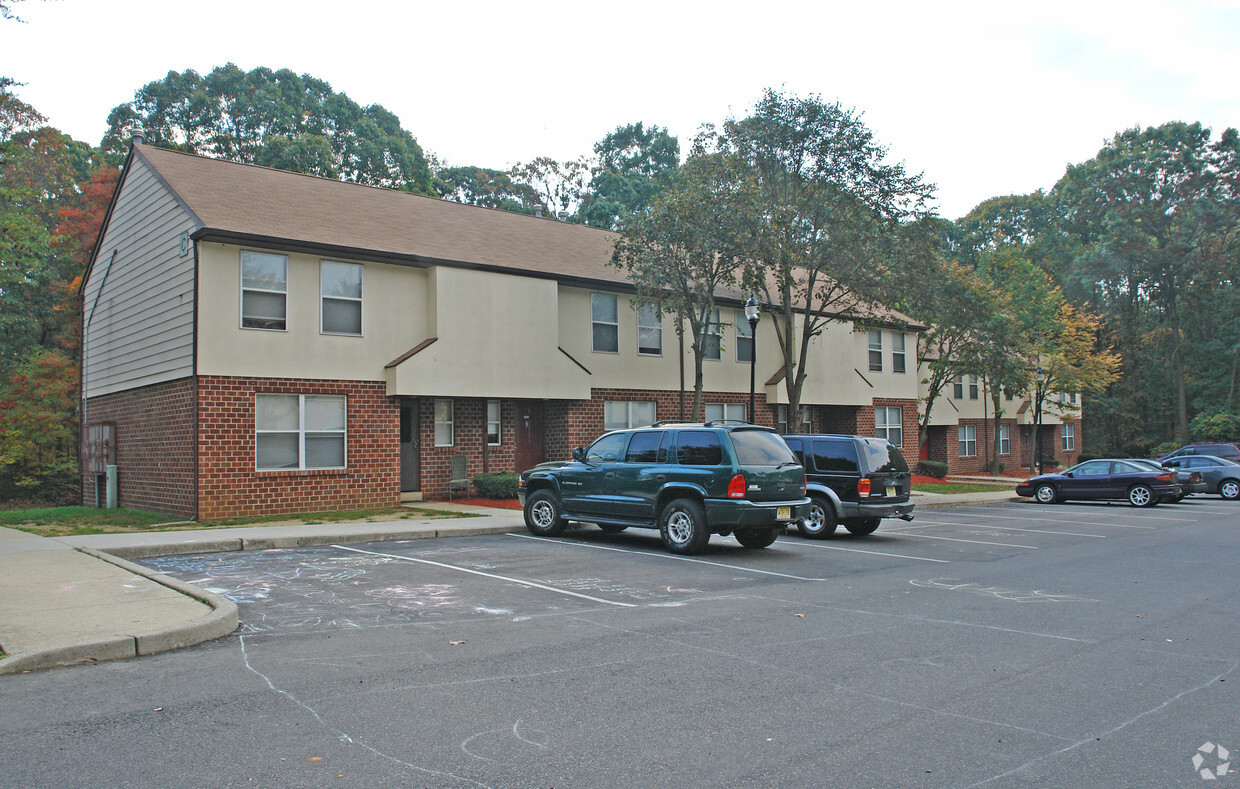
<point x="71" y="600"/>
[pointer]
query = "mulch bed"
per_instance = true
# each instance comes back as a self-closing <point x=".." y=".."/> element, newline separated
<point x="499" y="504"/>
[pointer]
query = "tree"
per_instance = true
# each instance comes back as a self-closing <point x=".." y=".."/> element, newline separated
<point x="1155" y="217"/>
<point x="273" y="118"/>
<point x="634" y="163"/>
<point x="677" y="251"/>
<point x="826" y="213"/>
<point x="485" y="187"/>
<point x="559" y="186"/>
<point x="38" y="429"/>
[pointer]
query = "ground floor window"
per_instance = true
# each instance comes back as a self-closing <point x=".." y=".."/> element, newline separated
<point x="888" y="424"/>
<point x="445" y="429"/>
<point x="802" y="425"/>
<point x="1005" y="440"/>
<point x="1069" y="438"/>
<point x="493" y="422"/>
<point x="295" y="431"/>
<point x="623" y="414"/>
<point x="719" y="411"/>
<point x="968" y="441"/>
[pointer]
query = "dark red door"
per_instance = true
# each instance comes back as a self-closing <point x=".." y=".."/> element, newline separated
<point x="529" y="435"/>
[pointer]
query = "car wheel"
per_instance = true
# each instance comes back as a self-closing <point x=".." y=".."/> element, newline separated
<point x="862" y="527"/>
<point x="1229" y="489"/>
<point x="1045" y="494"/>
<point x="683" y="527"/>
<point x="820" y="519"/>
<point x="611" y="528"/>
<point x="756" y="538"/>
<point x="1141" y="496"/>
<point x="543" y="515"/>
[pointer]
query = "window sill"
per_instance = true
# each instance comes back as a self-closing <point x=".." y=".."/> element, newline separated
<point x="302" y="472"/>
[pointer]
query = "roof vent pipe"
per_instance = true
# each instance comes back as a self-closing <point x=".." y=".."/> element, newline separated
<point x="538" y="209"/>
<point x="562" y="216"/>
<point x="137" y="135"/>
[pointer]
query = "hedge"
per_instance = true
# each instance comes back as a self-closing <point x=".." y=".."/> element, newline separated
<point x="931" y="468"/>
<point x="496" y="485"/>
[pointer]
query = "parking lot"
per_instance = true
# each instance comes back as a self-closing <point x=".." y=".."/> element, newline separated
<point x="1020" y="645"/>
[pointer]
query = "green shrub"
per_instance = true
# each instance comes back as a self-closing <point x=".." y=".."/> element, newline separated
<point x="931" y="468"/>
<point x="496" y="485"/>
<point x="1165" y="448"/>
<point x="1220" y="427"/>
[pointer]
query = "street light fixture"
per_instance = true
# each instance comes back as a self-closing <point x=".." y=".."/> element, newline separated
<point x="1040" y="377"/>
<point x="751" y="315"/>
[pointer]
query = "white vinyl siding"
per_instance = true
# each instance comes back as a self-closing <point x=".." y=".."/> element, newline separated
<point x="141" y="325"/>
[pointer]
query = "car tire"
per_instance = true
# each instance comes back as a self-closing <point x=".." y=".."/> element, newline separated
<point x="612" y="528"/>
<point x="820" y="519"/>
<point x="1141" y="496"/>
<point x="682" y="525"/>
<point x="756" y="538"/>
<point x="862" y="527"/>
<point x="1229" y="489"/>
<point x="1046" y="494"/>
<point x="543" y="514"/>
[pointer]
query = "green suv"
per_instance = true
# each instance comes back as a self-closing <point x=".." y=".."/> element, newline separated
<point x="686" y="480"/>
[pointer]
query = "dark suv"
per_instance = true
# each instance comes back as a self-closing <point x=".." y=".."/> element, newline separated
<point x="1227" y="451"/>
<point x="853" y="480"/>
<point x="686" y="480"/>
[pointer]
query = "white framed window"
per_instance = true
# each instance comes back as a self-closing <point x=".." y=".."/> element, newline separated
<point x="1069" y="438"/>
<point x="650" y="329"/>
<point x="264" y="291"/>
<point x="1008" y="395"/>
<point x="1005" y="439"/>
<point x="803" y="425"/>
<point x="876" y="351"/>
<point x="719" y="411"/>
<point x="744" y="338"/>
<point x="493" y="423"/>
<point x="445" y="427"/>
<point x="972" y="387"/>
<point x="889" y="424"/>
<point x="714" y="333"/>
<point x="622" y="414"/>
<point x="897" y="352"/>
<point x="604" y="323"/>
<point x="958" y="388"/>
<point x="297" y="431"/>
<point x="340" y="298"/>
<point x="967" y="436"/>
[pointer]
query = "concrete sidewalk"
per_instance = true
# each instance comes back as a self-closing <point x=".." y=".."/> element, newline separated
<point x="72" y="600"/>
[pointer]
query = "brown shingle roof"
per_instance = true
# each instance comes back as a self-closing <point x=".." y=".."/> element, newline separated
<point x="240" y="200"/>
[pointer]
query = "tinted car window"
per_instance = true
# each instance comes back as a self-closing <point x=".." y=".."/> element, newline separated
<point x="839" y="456"/>
<point x="1120" y="467"/>
<point x="607" y="449"/>
<point x="698" y="448"/>
<point x="760" y="448"/>
<point x="1093" y="468"/>
<point x="647" y="448"/>
<point x="884" y="458"/>
<point x="795" y="445"/>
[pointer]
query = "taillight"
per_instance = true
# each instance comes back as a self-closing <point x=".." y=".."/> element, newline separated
<point x="804" y="485"/>
<point x="736" y="488"/>
<point x="1165" y="477"/>
<point x="863" y="487"/>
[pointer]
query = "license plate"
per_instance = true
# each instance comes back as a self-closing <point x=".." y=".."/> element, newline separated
<point x="783" y="513"/>
<point x="891" y="490"/>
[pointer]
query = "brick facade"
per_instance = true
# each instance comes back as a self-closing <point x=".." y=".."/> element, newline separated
<point x="943" y="446"/>
<point x="230" y="486"/>
<point x="154" y="447"/>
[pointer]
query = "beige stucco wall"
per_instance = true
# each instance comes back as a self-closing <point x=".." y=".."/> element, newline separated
<point x="949" y="410"/>
<point x="394" y="319"/>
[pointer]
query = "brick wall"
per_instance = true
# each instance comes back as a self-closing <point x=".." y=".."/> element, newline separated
<point x="469" y="439"/>
<point x="230" y="486"/>
<point x="154" y="447"/>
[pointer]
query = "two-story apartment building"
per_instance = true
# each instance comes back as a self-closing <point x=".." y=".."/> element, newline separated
<point x="259" y="341"/>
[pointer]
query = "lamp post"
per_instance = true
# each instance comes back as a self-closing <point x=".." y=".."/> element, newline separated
<point x="751" y="315"/>
<point x="1040" y="377"/>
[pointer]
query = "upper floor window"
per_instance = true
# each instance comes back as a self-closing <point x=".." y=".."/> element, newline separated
<point x="719" y="411"/>
<point x="621" y="414"/>
<point x="958" y="388"/>
<point x="744" y="338"/>
<point x="649" y="329"/>
<point x="711" y="349"/>
<point x="876" y="351"/>
<point x="972" y="387"/>
<point x="294" y="431"/>
<point x="889" y="424"/>
<point x="340" y="292"/>
<point x="897" y="352"/>
<point x="264" y="291"/>
<point x="604" y="323"/>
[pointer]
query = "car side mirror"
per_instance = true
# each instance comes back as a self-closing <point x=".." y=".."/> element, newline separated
<point x="1068" y="474"/>
<point x="579" y="455"/>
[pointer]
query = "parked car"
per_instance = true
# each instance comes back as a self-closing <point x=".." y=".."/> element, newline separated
<point x="1222" y="476"/>
<point x="1189" y="481"/>
<point x="853" y="480"/>
<point x="1103" y="479"/>
<point x="686" y="480"/>
<point x="1228" y="451"/>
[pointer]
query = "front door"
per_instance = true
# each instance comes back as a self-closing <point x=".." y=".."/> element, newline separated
<point x="410" y="471"/>
<point x="529" y="449"/>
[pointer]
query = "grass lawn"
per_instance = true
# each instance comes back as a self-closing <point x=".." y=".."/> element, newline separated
<point x="965" y="487"/>
<point x="75" y="521"/>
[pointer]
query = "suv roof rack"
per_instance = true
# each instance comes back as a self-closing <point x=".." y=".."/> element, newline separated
<point x="722" y="422"/>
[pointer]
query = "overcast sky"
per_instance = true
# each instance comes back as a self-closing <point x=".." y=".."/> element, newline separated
<point x="985" y="98"/>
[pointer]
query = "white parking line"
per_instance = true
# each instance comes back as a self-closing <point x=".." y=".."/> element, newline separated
<point x="1013" y="528"/>
<point x="875" y="553"/>
<point x="1060" y="507"/>
<point x="521" y="581"/>
<point x="958" y="539"/>
<point x="665" y="556"/>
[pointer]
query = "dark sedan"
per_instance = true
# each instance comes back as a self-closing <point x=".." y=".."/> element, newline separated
<point x="1103" y="479"/>
<point x="1190" y="481"/>
<point x="1222" y="476"/>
